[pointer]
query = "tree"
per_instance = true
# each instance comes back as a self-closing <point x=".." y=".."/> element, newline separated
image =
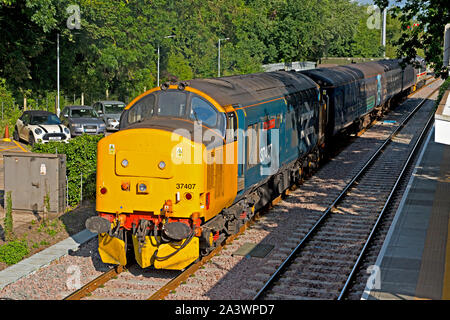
<point x="431" y="17"/>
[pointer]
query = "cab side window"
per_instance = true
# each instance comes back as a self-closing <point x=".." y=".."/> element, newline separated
<point x="231" y="128"/>
<point x="252" y="145"/>
<point x="143" y="109"/>
<point x="204" y="112"/>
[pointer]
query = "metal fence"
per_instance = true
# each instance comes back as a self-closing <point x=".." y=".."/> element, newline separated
<point x="288" y="66"/>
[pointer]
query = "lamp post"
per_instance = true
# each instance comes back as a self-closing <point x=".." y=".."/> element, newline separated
<point x="218" y="58"/>
<point x="172" y="36"/>
<point x="383" y="32"/>
<point x="57" y="73"/>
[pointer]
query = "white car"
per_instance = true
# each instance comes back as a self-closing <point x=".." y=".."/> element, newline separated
<point x="41" y="127"/>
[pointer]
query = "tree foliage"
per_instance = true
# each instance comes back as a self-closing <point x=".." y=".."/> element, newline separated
<point x="430" y="17"/>
<point x="116" y="47"/>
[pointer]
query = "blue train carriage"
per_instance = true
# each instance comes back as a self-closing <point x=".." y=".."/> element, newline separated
<point x="343" y="90"/>
<point x="358" y="93"/>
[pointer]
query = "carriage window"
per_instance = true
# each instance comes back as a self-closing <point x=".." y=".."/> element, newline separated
<point x="172" y="103"/>
<point x="143" y="109"/>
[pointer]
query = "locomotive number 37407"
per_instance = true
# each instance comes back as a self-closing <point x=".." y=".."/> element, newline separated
<point x="190" y="186"/>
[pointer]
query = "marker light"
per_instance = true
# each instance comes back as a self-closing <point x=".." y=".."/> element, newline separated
<point x="103" y="190"/>
<point x="125" y="186"/>
<point x="188" y="196"/>
<point x="207" y="199"/>
<point x="124" y="163"/>
<point x="162" y="165"/>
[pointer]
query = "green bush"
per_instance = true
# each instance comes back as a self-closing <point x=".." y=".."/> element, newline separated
<point x="13" y="251"/>
<point x="10" y="110"/>
<point x="8" y="222"/>
<point x="81" y="158"/>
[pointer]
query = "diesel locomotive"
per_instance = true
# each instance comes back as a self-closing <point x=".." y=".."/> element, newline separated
<point x="194" y="160"/>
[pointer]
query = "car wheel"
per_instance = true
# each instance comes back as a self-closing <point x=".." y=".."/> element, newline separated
<point x="16" y="134"/>
<point x="31" y="140"/>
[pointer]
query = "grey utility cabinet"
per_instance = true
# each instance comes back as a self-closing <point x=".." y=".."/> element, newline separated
<point x="32" y="176"/>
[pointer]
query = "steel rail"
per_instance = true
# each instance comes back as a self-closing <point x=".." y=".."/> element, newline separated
<point x="388" y="201"/>
<point x="174" y="283"/>
<point x="325" y="214"/>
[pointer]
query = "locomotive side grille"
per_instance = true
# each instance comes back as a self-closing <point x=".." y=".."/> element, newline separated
<point x="210" y="175"/>
<point x="220" y="188"/>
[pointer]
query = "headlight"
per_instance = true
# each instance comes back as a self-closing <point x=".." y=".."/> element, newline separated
<point x="102" y="125"/>
<point x="66" y="130"/>
<point x="110" y="120"/>
<point x="77" y="125"/>
<point x="142" y="187"/>
<point x="37" y="131"/>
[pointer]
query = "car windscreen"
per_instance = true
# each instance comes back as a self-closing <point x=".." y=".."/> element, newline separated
<point x="45" y="119"/>
<point x="112" y="108"/>
<point x="83" y="113"/>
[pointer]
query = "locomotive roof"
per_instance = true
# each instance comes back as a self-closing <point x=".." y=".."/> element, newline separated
<point x="246" y="89"/>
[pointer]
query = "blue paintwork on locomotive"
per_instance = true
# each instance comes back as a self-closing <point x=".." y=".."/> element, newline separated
<point x="295" y="134"/>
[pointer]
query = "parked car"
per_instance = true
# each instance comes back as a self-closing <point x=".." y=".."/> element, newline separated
<point x="41" y="127"/>
<point x="82" y="119"/>
<point x="110" y="112"/>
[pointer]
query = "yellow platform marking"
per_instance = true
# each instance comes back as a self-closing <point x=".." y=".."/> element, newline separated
<point x="5" y="149"/>
<point x="20" y="146"/>
<point x="446" y="287"/>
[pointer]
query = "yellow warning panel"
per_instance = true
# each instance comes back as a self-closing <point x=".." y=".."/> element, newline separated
<point x="179" y="260"/>
<point x="144" y="253"/>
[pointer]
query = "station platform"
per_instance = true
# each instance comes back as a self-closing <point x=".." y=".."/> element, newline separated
<point x="414" y="262"/>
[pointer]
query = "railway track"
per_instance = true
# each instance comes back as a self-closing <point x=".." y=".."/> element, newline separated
<point x="324" y="262"/>
<point x="136" y="283"/>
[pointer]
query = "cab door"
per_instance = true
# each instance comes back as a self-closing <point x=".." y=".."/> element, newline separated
<point x="240" y="115"/>
<point x="230" y="155"/>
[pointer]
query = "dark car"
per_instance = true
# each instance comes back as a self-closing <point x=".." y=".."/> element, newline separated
<point x="82" y="119"/>
<point x="110" y="112"/>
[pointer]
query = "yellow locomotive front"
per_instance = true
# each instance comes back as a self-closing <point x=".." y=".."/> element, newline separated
<point x="158" y="181"/>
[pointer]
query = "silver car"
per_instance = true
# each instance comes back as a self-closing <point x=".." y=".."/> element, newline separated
<point x="82" y="119"/>
<point x="110" y="112"/>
